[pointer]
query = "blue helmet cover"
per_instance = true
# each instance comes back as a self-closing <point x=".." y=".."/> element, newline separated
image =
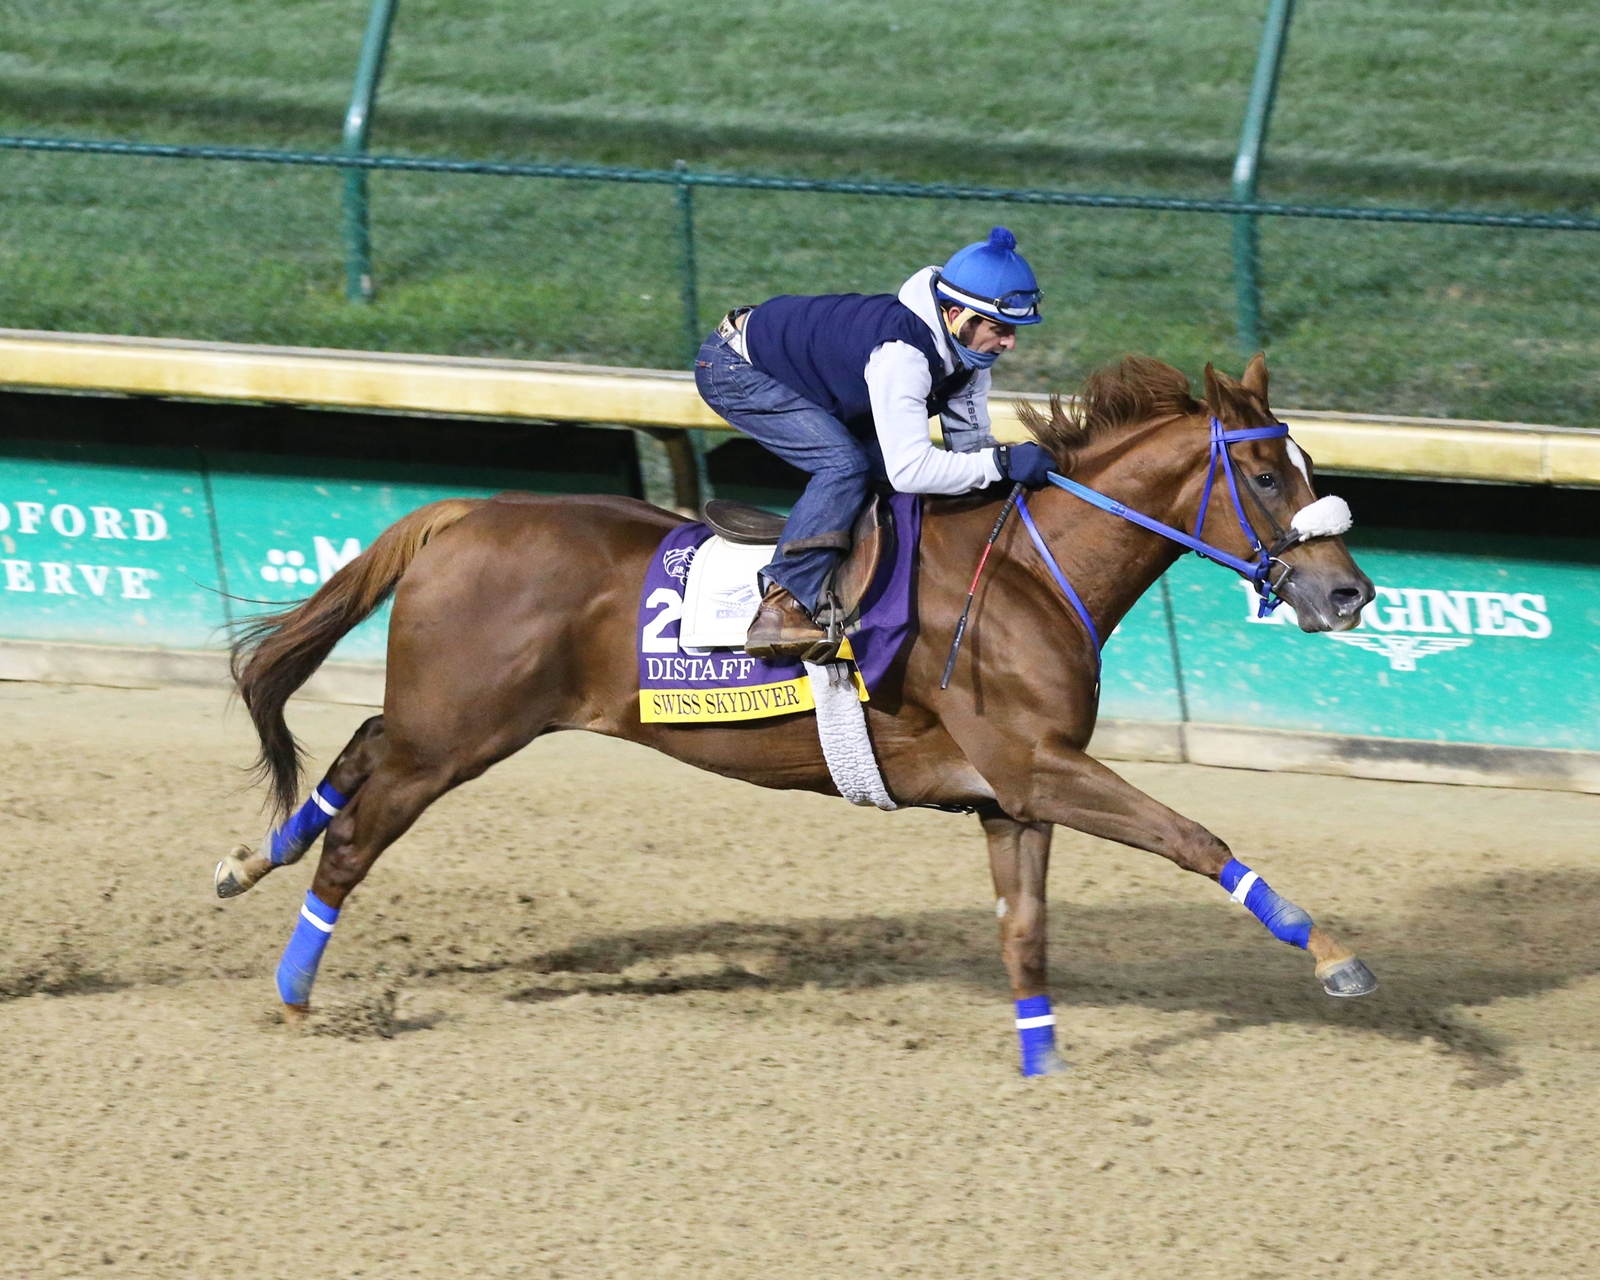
<point x="982" y="273"/>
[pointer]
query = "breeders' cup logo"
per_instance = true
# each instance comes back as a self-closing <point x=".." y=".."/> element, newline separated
<point x="1406" y="624"/>
<point x="740" y="602"/>
<point x="677" y="561"/>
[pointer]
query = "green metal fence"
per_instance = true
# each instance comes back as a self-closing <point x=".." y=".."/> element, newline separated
<point x="683" y="180"/>
<point x="1243" y="208"/>
<point x="357" y="134"/>
<point x="1247" y="170"/>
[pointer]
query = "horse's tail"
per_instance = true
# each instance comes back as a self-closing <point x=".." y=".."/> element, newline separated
<point x="273" y="655"/>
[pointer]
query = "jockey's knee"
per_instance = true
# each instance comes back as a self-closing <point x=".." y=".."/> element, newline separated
<point x="848" y="464"/>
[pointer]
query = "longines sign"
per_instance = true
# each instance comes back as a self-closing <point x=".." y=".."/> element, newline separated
<point x="1405" y="624"/>
<point x="1455" y="648"/>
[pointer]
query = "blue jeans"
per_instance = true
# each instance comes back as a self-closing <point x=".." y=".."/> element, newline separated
<point x="841" y="467"/>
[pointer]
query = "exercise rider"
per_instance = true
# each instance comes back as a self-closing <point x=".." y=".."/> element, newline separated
<point x="842" y="387"/>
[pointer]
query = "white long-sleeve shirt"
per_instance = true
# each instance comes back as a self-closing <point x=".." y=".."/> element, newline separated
<point x="898" y="385"/>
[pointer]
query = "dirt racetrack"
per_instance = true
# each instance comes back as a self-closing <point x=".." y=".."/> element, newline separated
<point x="601" y="1015"/>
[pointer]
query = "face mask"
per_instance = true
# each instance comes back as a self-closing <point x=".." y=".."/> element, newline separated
<point x="972" y="359"/>
<point x="965" y="355"/>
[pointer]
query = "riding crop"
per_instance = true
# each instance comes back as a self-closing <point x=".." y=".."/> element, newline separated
<point x="961" y="626"/>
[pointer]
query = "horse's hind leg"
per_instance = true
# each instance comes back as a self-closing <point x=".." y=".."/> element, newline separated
<point x="404" y="783"/>
<point x="1019" y="859"/>
<point x="244" y="867"/>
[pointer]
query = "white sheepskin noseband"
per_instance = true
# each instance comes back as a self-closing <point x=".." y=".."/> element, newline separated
<point x="1325" y="518"/>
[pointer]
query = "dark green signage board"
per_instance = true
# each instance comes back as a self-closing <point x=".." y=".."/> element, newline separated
<point x="1466" y="644"/>
<point x="162" y="549"/>
<point x="114" y="550"/>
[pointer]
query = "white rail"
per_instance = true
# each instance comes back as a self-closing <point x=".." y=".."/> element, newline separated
<point x="1424" y="447"/>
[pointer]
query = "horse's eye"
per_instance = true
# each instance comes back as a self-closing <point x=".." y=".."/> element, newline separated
<point x="1266" y="480"/>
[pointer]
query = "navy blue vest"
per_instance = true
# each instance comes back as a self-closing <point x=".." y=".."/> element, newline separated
<point x="818" y="347"/>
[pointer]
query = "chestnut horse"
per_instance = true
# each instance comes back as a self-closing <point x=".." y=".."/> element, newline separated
<point x="514" y="619"/>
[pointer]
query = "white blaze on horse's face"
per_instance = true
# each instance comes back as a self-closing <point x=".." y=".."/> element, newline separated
<point x="1323" y="517"/>
<point x="1298" y="458"/>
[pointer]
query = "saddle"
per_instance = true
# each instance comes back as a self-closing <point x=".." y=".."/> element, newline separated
<point x="865" y="546"/>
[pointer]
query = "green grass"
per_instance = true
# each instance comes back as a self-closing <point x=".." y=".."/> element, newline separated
<point x="1473" y="104"/>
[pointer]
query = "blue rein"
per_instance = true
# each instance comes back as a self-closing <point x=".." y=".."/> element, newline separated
<point x="1258" y="570"/>
<point x="1055" y="569"/>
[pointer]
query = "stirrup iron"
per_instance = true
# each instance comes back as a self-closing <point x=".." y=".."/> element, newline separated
<point x="829" y="615"/>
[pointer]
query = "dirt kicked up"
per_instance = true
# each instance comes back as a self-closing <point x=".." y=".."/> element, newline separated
<point x="600" y="1015"/>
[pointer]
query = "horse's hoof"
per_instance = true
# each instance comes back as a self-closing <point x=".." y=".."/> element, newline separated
<point x="1346" y="978"/>
<point x="1047" y="1064"/>
<point x="239" y="872"/>
<point x="294" y="1015"/>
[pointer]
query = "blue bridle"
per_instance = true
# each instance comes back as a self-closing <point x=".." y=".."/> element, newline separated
<point x="1257" y="570"/>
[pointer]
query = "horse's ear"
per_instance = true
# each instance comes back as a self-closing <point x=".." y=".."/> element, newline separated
<point x="1233" y="401"/>
<point x="1255" y="378"/>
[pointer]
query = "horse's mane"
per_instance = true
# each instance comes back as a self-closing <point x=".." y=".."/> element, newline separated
<point x="1132" y="391"/>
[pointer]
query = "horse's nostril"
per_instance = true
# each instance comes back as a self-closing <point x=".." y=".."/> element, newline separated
<point x="1346" y="600"/>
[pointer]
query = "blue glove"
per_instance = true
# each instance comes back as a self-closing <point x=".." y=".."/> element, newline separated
<point x="1028" y="464"/>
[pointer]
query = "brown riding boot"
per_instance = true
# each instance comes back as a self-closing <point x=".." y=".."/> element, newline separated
<point x="782" y="629"/>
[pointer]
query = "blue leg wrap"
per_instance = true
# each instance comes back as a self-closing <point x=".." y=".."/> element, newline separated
<point x="1285" y="921"/>
<point x="290" y="841"/>
<point x="298" y="968"/>
<point x="1036" y="1030"/>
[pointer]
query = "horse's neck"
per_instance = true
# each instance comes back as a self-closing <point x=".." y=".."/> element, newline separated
<point x="1155" y="469"/>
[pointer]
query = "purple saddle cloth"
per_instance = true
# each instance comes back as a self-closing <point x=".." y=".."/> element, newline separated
<point x="678" y="686"/>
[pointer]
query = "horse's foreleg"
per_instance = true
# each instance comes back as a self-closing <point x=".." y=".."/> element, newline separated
<point x="1080" y="792"/>
<point x="1019" y="859"/>
<point x="244" y="867"/>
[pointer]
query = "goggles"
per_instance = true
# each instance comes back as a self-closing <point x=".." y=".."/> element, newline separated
<point x="1019" y="304"/>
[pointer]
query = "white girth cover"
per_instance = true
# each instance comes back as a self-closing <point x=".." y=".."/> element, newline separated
<point x="842" y="726"/>
<point x="719" y="600"/>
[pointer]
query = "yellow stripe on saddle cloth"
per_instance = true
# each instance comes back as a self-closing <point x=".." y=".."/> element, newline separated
<point x="709" y="704"/>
